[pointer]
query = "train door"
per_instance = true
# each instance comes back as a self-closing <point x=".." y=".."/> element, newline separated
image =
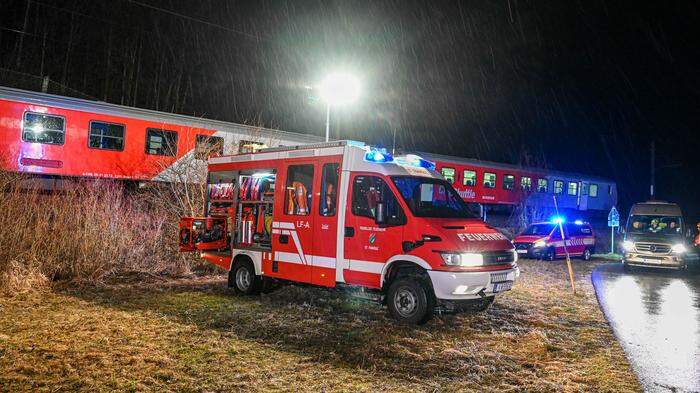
<point x="293" y="224"/>
<point x="325" y="228"/>
<point x="369" y="245"/>
<point x="583" y="195"/>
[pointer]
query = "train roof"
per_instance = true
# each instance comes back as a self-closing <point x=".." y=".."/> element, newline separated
<point x="12" y="94"/>
<point x="502" y="166"/>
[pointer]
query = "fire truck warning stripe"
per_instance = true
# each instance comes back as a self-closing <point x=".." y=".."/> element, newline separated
<point x="283" y="225"/>
<point x="328" y="262"/>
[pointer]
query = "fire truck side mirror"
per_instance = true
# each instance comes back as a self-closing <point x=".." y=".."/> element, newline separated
<point x="380" y="217"/>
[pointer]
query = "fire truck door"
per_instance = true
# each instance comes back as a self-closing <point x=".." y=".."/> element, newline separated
<point x="369" y="245"/>
<point x="293" y="225"/>
<point x="326" y="225"/>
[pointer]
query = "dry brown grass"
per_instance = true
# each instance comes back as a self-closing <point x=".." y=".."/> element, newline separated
<point x="88" y="231"/>
<point x="194" y="335"/>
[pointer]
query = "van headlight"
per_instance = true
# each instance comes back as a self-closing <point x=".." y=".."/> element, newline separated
<point x="628" y="245"/>
<point x="463" y="259"/>
<point x="679" y="248"/>
<point x="539" y="243"/>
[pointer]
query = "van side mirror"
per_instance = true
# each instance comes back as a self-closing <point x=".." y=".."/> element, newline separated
<point x="380" y="216"/>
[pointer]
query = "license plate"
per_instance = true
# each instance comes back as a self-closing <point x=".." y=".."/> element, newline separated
<point x="502" y="286"/>
<point x="522" y="251"/>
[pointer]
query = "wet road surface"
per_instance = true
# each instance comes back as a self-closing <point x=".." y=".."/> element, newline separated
<point x="656" y="317"/>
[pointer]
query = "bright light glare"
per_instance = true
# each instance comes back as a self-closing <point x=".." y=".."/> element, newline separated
<point x="340" y="88"/>
<point x="678" y="248"/>
<point x="558" y="219"/>
<point x="628" y="245"/>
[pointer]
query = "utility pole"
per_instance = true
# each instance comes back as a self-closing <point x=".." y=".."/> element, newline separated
<point x="653" y="167"/>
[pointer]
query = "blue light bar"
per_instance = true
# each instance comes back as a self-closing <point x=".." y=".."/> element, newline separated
<point x="558" y="220"/>
<point x="378" y="155"/>
<point x="417" y="161"/>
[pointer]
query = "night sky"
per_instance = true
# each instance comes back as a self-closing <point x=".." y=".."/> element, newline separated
<point x="579" y="86"/>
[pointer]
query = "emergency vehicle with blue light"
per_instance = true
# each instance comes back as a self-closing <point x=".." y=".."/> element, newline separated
<point x="543" y="240"/>
<point x="343" y="214"/>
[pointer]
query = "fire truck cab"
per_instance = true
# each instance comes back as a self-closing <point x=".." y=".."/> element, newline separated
<point x="344" y="214"/>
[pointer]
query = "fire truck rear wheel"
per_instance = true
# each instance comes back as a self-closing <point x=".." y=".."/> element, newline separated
<point x="410" y="300"/>
<point x="243" y="279"/>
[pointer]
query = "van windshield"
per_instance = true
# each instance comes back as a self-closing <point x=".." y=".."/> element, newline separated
<point x="429" y="197"/>
<point x="539" y="229"/>
<point x="665" y="225"/>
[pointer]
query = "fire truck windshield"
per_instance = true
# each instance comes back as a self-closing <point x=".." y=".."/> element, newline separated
<point x="428" y="197"/>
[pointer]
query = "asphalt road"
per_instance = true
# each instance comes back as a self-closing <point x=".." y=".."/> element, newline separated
<point x="656" y="317"/>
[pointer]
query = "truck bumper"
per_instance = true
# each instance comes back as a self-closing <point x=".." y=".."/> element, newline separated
<point x="657" y="261"/>
<point x="471" y="285"/>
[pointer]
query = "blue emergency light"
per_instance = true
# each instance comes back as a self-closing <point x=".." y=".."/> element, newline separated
<point x="578" y="222"/>
<point x="378" y="155"/>
<point x="558" y="220"/>
<point x="417" y="161"/>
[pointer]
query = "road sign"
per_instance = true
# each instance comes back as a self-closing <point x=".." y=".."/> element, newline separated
<point x="613" y="218"/>
<point x="613" y="222"/>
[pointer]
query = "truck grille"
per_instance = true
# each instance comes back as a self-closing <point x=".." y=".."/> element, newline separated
<point x="498" y="257"/>
<point x="653" y="248"/>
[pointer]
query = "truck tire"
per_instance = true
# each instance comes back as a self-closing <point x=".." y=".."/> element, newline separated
<point x="242" y="278"/>
<point x="411" y="300"/>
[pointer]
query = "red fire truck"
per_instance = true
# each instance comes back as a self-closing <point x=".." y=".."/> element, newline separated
<point x="343" y="214"/>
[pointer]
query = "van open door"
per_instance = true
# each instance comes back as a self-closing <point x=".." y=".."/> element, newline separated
<point x="203" y="234"/>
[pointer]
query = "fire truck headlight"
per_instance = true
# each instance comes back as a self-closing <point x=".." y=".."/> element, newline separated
<point x="628" y="245"/>
<point x="540" y="243"/>
<point x="465" y="259"/>
<point x="678" y="248"/>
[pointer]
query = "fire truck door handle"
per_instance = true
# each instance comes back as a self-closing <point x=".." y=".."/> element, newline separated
<point x="349" y="231"/>
<point x="284" y="239"/>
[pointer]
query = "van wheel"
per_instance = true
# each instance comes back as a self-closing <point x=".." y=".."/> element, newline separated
<point x="586" y="256"/>
<point x="242" y="278"/>
<point x="550" y="255"/>
<point x="410" y="300"/>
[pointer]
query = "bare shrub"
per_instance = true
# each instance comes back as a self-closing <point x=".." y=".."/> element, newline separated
<point x="86" y="231"/>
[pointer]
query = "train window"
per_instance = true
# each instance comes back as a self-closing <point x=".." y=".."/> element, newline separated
<point x="448" y="174"/>
<point x="297" y="198"/>
<point x="508" y="182"/>
<point x="573" y="188"/>
<point x="593" y="190"/>
<point x="206" y="146"/>
<point x="526" y="183"/>
<point x="542" y="185"/>
<point x="469" y="177"/>
<point x="107" y="136"/>
<point x="489" y="180"/>
<point x="558" y="186"/>
<point x="161" y="142"/>
<point x="41" y="128"/>
<point x="250" y="146"/>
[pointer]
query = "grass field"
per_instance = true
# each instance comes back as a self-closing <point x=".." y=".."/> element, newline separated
<point x="147" y="334"/>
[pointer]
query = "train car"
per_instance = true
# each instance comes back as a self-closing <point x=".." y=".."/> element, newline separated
<point x="55" y="136"/>
<point x="493" y="183"/>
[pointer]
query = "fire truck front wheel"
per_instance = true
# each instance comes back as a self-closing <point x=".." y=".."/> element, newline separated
<point x="410" y="300"/>
<point x="242" y="278"/>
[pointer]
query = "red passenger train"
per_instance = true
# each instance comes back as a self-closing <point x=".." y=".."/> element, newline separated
<point x="493" y="183"/>
<point x="57" y="136"/>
